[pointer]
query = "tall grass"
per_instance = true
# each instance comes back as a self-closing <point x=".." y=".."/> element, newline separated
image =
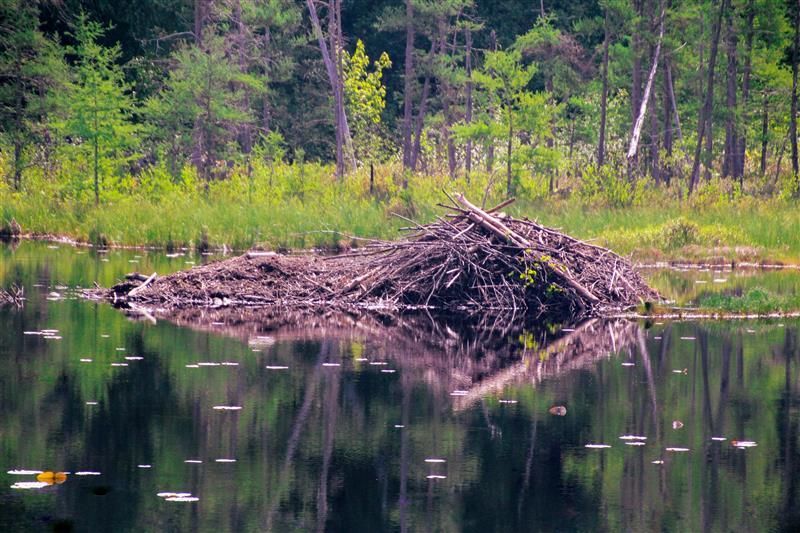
<point x="303" y="206"/>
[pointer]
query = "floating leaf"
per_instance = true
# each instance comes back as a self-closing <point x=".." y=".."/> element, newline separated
<point x="52" y="478"/>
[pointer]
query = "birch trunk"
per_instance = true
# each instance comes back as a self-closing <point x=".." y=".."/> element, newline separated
<point x="637" y="128"/>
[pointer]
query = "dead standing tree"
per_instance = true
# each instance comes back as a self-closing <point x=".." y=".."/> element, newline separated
<point x="637" y="127"/>
<point x="332" y="57"/>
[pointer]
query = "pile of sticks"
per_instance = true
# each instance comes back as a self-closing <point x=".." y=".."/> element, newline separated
<point x="482" y="260"/>
<point x="471" y="261"/>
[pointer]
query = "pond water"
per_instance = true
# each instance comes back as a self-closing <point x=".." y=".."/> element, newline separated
<point x="384" y="425"/>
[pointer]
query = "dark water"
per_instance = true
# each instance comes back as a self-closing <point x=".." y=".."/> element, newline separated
<point x="456" y="431"/>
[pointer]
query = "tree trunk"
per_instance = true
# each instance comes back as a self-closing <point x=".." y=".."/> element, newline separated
<point x="667" y="138"/>
<point x="673" y="101"/>
<point x="199" y="156"/>
<point x="742" y="151"/>
<point x="245" y="134"/>
<point x="509" y="184"/>
<point x="202" y="10"/>
<point x="333" y="69"/>
<point x="793" y="118"/>
<point x="446" y="109"/>
<point x="636" y="75"/>
<point x="490" y="147"/>
<point x="655" y="137"/>
<point x="18" y="133"/>
<point x="468" y="105"/>
<point x="780" y="157"/>
<point x="764" y="134"/>
<point x="704" y="121"/>
<point x="601" y="142"/>
<point x="709" y="150"/>
<point x="637" y="128"/>
<point x="96" y="142"/>
<point x="350" y="151"/>
<point x="423" y="107"/>
<point x="266" y="110"/>
<point x="730" y="164"/>
<point x="408" y="85"/>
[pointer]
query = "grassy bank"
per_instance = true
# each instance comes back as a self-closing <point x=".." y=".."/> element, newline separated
<point x="302" y="207"/>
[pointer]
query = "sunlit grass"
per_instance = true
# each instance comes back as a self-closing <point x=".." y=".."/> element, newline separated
<point x="304" y="207"/>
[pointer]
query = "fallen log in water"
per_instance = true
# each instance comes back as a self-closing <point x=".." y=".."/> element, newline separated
<point x="470" y="260"/>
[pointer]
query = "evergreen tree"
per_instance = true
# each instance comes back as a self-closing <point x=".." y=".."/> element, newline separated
<point x="96" y="103"/>
<point x="31" y="65"/>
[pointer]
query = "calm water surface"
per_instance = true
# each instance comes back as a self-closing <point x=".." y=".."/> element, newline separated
<point x="325" y="425"/>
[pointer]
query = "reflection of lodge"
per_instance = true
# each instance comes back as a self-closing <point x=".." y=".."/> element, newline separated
<point x="477" y="359"/>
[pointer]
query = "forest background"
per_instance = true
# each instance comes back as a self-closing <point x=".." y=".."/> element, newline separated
<point x="666" y="129"/>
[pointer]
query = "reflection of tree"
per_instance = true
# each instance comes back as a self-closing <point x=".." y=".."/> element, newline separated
<point x="787" y="421"/>
<point x="318" y="447"/>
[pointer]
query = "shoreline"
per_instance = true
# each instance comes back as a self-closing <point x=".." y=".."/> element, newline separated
<point x="639" y="263"/>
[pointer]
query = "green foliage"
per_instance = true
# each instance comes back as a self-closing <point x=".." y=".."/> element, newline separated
<point x="96" y="105"/>
<point x="366" y="100"/>
<point x="605" y="185"/>
<point x="678" y="233"/>
<point x="31" y="67"/>
<point x="199" y="110"/>
<point x="756" y="300"/>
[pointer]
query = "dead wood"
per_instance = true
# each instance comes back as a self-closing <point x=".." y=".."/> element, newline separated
<point x="13" y="296"/>
<point x="473" y="261"/>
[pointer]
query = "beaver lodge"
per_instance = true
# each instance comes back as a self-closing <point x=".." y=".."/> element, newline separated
<point x="469" y="260"/>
